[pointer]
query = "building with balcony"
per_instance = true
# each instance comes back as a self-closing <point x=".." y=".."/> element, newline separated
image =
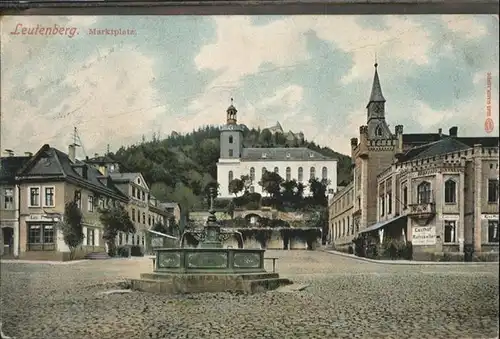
<point x="46" y="182"/>
<point x="438" y="191"/>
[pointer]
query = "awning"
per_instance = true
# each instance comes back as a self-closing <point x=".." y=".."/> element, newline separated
<point x="378" y="225"/>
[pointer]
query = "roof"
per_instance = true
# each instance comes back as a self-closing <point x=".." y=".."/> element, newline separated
<point x="443" y="146"/>
<point x="419" y="138"/>
<point x="483" y="141"/>
<point x="124" y="177"/>
<point x="51" y="163"/>
<point x="282" y="154"/>
<point x="376" y="94"/>
<point x="168" y="205"/>
<point x="103" y="159"/>
<point x="10" y="165"/>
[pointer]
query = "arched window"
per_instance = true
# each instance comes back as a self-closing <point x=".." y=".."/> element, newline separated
<point x="324" y="173"/>
<point x="378" y="131"/>
<point x="230" y="176"/>
<point x="450" y="191"/>
<point x="424" y="193"/>
<point x="300" y="175"/>
<point x="264" y="170"/>
<point x="276" y="170"/>
<point x="288" y="174"/>
<point x="343" y="227"/>
<point x="252" y="173"/>
<point x="144" y="218"/>
<point x="230" y="139"/>
<point x="312" y="173"/>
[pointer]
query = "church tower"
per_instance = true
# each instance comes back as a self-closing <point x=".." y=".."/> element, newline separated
<point x="377" y="126"/>
<point x="231" y="136"/>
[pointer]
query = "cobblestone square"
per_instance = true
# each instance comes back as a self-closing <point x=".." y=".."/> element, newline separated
<point x="346" y="298"/>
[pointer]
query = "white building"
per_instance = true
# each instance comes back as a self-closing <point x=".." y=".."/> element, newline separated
<point x="235" y="160"/>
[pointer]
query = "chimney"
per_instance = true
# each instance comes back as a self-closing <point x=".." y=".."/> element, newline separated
<point x="440" y="132"/>
<point x="453" y="131"/>
<point x="72" y="152"/>
<point x="28" y="154"/>
<point x="399" y="135"/>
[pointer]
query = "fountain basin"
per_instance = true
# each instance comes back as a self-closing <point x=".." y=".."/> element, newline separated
<point x="209" y="260"/>
<point x="195" y="270"/>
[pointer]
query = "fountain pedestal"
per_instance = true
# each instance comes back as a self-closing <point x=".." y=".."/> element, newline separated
<point x="209" y="268"/>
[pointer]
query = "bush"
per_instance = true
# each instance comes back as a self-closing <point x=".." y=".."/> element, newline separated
<point x="122" y="251"/>
<point x="252" y="205"/>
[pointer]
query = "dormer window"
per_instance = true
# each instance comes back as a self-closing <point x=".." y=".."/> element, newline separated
<point x="139" y="181"/>
<point x="264" y="155"/>
<point x="288" y="155"/>
<point x="311" y="155"/>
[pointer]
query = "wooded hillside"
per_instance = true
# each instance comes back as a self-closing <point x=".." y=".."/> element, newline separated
<point x="180" y="167"/>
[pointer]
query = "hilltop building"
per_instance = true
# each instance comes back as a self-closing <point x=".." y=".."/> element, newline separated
<point x="438" y="191"/>
<point x="291" y="163"/>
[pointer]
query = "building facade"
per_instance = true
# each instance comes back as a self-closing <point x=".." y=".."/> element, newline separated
<point x="290" y="163"/>
<point x="9" y="204"/>
<point x="438" y="191"/>
<point x="48" y="181"/>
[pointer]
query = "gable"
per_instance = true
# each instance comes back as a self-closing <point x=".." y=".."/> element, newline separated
<point x="139" y="181"/>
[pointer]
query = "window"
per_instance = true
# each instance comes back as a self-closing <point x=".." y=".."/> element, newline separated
<point x="252" y="173"/>
<point x="493" y="231"/>
<point x="493" y="190"/>
<point x="139" y="181"/>
<point x="450" y="193"/>
<point x="137" y="240"/>
<point x="424" y="193"/>
<point x="382" y="205"/>
<point x="252" y="189"/>
<point x="449" y="231"/>
<point x="138" y="216"/>
<point x="120" y="238"/>
<point x="230" y="176"/>
<point x="34" y="193"/>
<point x="126" y="238"/>
<point x="389" y="203"/>
<point x="144" y="218"/>
<point x="41" y="237"/>
<point x="288" y="174"/>
<point x="143" y="196"/>
<point x="343" y="227"/>
<point x="231" y="152"/>
<point x="348" y="226"/>
<point x="101" y="202"/>
<point x="90" y="203"/>
<point x="312" y="173"/>
<point x="49" y="197"/>
<point x="78" y="199"/>
<point x="149" y="220"/>
<point x="230" y="139"/>
<point x="324" y="173"/>
<point x="276" y="170"/>
<point x="405" y="197"/>
<point x="8" y="198"/>
<point x="133" y="214"/>
<point x="133" y="191"/>
<point x="90" y="237"/>
<point x="142" y="240"/>
<point x="378" y="131"/>
<point x="300" y="175"/>
<point x="264" y="170"/>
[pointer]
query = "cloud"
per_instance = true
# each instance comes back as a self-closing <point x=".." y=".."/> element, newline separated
<point x="466" y="25"/>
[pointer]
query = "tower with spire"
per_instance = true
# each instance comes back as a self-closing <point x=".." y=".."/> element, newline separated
<point x="376" y="123"/>
<point x="231" y="135"/>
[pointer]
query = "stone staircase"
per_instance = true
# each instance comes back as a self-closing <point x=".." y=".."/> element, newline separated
<point x="97" y="256"/>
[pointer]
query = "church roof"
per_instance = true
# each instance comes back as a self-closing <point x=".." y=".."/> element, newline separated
<point x="282" y="154"/>
<point x="376" y="95"/>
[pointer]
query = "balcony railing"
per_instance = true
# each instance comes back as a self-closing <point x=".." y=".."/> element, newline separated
<point x="422" y="212"/>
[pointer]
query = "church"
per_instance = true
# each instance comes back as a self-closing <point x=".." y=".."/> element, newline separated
<point x="299" y="163"/>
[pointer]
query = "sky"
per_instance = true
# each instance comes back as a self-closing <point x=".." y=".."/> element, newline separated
<point x="177" y="73"/>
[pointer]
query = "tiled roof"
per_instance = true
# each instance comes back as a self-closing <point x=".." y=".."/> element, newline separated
<point x="483" y="141"/>
<point x="282" y="154"/>
<point x="124" y="177"/>
<point x="420" y="138"/>
<point x="103" y="159"/>
<point x="443" y="146"/>
<point x="10" y="165"/>
<point x="51" y="162"/>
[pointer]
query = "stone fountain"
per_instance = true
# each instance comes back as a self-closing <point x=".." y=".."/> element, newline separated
<point x="209" y="267"/>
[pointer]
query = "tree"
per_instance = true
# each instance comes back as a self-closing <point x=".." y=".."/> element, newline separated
<point x="266" y="137"/>
<point x="115" y="219"/>
<point x="160" y="227"/>
<point x="318" y="189"/>
<point x="271" y="183"/>
<point x="247" y="183"/>
<point x="230" y="209"/>
<point x="72" y="227"/>
<point x="236" y="186"/>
